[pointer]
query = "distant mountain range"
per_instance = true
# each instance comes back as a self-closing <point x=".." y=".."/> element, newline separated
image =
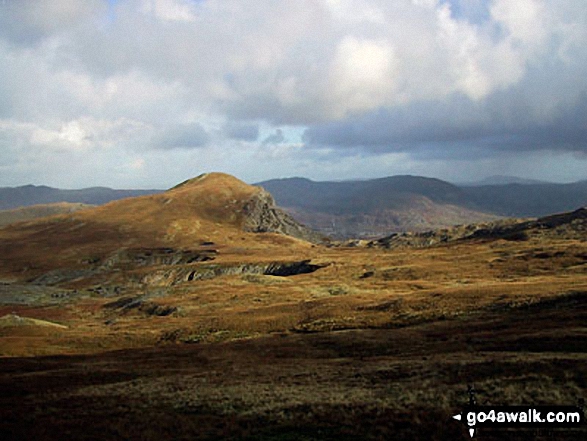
<point x="413" y="203"/>
<point x="31" y="212"/>
<point x="369" y="208"/>
<point x="14" y="197"/>
<point x="501" y="180"/>
<point x="527" y="200"/>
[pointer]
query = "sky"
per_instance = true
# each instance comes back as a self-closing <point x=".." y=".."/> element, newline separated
<point x="148" y="93"/>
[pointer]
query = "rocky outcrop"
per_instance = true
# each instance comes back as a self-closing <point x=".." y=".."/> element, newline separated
<point x="572" y="226"/>
<point x="126" y="304"/>
<point x="282" y="269"/>
<point x="158" y="256"/>
<point x="168" y="276"/>
<point x="263" y="216"/>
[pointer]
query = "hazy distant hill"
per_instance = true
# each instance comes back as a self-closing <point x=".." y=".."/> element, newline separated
<point x="368" y="208"/>
<point x="37" y="211"/>
<point x="528" y="200"/>
<point x="412" y="203"/>
<point x="13" y="197"/>
<point x="502" y="180"/>
<point x="351" y="197"/>
<point x="375" y="207"/>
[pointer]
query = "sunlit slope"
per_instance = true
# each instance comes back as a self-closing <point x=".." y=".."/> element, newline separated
<point x="213" y="209"/>
<point x="32" y="212"/>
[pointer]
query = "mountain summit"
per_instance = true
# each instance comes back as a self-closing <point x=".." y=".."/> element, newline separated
<point x="222" y="197"/>
<point x="212" y="208"/>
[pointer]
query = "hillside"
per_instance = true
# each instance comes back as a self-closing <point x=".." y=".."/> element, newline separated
<point x="190" y="315"/>
<point x="368" y="208"/>
<point x="567" y="226"/>
<point x="31" y="212"/>
<point x="14" y="197"/>
<point x="527" y="200"/>
<point x="375" y="207"/>
<point x="213" y="209"/>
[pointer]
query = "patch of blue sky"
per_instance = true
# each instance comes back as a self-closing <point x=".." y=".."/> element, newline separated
<point x="474" y="11"/>
<point x="111" y="14"/>
<point x="285" y="134"/>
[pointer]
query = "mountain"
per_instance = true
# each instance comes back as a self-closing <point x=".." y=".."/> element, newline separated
<point x="350" y="197"/>
<point x="367" y="208"/>
<point x="375" y="207"/>
<point x="370" y="208"/>
<point x="14" y="197"/>
<point x="502" y="180"/>
<point x="36" y="211"/>
<point x="211" y="210"/>
<point x="189" y="312"/>
<point x="517" y="200"/>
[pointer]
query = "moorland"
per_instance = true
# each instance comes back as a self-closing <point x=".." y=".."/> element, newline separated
<point x="206" y="312"/>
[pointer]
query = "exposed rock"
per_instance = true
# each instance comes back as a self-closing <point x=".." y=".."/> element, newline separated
<point x="283" y="269"/>
<point x="126" y="304"/>
<point x="263" y="216"/>
<point x="572" y="225"/>
<point x="291" y="269"/>
<point x="158" y="256"/>
<point x="10" y="320"/>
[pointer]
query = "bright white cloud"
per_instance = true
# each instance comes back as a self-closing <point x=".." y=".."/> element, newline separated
<point x="136" y="75"/>
<point x="85" y="133"/>
<point x="524" y="20"/>
<point x="363" y="75"/>
<point x="170" y="10"/>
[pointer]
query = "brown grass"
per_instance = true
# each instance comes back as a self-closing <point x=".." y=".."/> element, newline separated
<point x="376" y="344"/>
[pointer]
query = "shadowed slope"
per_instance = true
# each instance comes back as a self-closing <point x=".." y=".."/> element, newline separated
<point x="372" y="208"/>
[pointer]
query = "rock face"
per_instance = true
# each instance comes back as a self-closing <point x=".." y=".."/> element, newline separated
<point x="263" y="216"/>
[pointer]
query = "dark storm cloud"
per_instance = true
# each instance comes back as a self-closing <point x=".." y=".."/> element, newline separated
<point x="503" y="122"/>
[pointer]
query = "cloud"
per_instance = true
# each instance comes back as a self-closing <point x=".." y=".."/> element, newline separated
<point x="430" y="79"/>
<point x="86" y="133"/>
<point x="275" y="138"/>
<point x="503" y="122"/>
<point x="243" y="132"/>
<point x="29" y="22"/>
<point x="363" y="74"/>
<point x="181" y="136"/>
<point x="170" y="10"/>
